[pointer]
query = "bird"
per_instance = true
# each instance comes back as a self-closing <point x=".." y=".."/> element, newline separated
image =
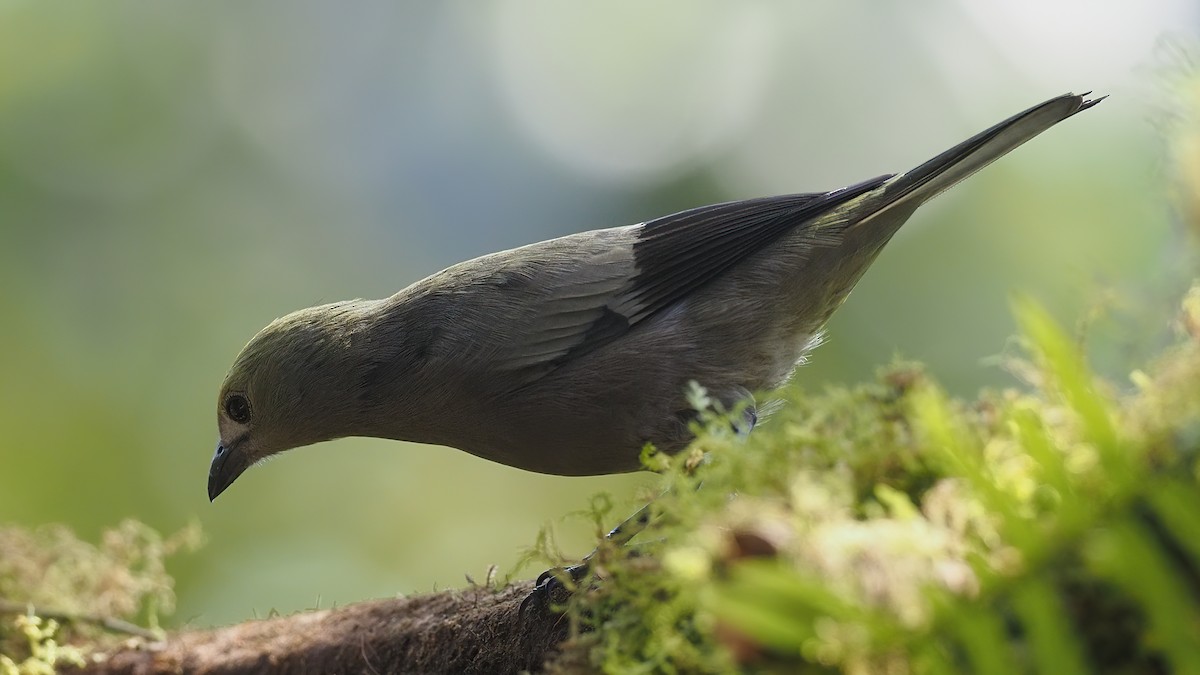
<point x="569" y="355"/>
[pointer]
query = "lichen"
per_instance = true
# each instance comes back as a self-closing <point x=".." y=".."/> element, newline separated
<point x="62" y="597"/>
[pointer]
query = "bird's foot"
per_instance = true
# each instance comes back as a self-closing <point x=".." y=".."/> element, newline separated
<point x="554" y="584"/>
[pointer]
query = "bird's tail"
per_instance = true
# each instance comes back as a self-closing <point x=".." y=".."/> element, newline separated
<point x="910" y="189"/>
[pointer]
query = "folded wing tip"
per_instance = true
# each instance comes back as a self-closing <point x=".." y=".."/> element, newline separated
<point x="1085" y="102"/>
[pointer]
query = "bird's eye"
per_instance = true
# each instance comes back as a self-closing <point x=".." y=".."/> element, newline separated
<point x="238" y="408"/>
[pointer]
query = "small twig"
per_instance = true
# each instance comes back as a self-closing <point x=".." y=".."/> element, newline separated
<point x="362" y="647"/>
<point x="106" y="622"/>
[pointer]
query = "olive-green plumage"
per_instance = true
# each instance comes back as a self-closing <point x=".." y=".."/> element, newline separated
<point x="566" y="356"/>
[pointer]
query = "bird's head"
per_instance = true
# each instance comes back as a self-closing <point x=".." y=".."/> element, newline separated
<point x="293" y="384"/>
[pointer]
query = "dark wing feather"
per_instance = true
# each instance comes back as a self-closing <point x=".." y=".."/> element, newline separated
<point x="672" y="257"/>
<point x="678" y="254"/>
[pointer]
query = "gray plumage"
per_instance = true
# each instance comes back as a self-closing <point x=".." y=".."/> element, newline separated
<point x="567" y="355"/>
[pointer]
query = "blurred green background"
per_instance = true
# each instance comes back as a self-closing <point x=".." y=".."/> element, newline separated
<point x="174" y="175"/>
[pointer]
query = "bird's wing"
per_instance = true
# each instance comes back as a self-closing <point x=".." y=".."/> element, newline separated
<point x="677" y="254"/>
<point x="608" y="293"/>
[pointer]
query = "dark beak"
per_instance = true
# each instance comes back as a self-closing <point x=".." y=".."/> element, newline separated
<point x="227" y="465"/>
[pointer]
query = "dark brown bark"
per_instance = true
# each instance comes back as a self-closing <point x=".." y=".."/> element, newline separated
<point x="468" y="631"/>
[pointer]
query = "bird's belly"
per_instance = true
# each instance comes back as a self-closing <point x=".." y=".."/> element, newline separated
<point x="553" y="448"/>
<point x="594" y="416"/>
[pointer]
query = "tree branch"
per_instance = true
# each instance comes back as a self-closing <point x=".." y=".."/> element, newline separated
<point x="476" y="630"/>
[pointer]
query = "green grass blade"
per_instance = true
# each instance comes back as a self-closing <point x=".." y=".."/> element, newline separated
<point x="1134" y="562"/>
<point x="1064" y="362"/>
<point x="1048" y="629"/>
<point x="981" y="634"/>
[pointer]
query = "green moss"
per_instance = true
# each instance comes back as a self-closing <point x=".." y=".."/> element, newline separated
<point x="887" y="528"/>
<point x="61" y="597"/>
<point x="43" y="651"/>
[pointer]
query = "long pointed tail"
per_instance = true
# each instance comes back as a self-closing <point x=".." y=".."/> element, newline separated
<point x="912" y="188"/>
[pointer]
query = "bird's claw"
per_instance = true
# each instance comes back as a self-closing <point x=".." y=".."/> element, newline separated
<point x="550" y="584"/>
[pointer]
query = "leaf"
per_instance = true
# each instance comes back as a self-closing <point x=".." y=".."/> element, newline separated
<point x="1052" y="637"/>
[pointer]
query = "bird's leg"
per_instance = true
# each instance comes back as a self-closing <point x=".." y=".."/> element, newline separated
<point x="548" y="581"/>
<point x="552" y="579"/>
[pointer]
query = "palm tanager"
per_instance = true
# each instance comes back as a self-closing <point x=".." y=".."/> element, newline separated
<point x="568" y="355"/>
